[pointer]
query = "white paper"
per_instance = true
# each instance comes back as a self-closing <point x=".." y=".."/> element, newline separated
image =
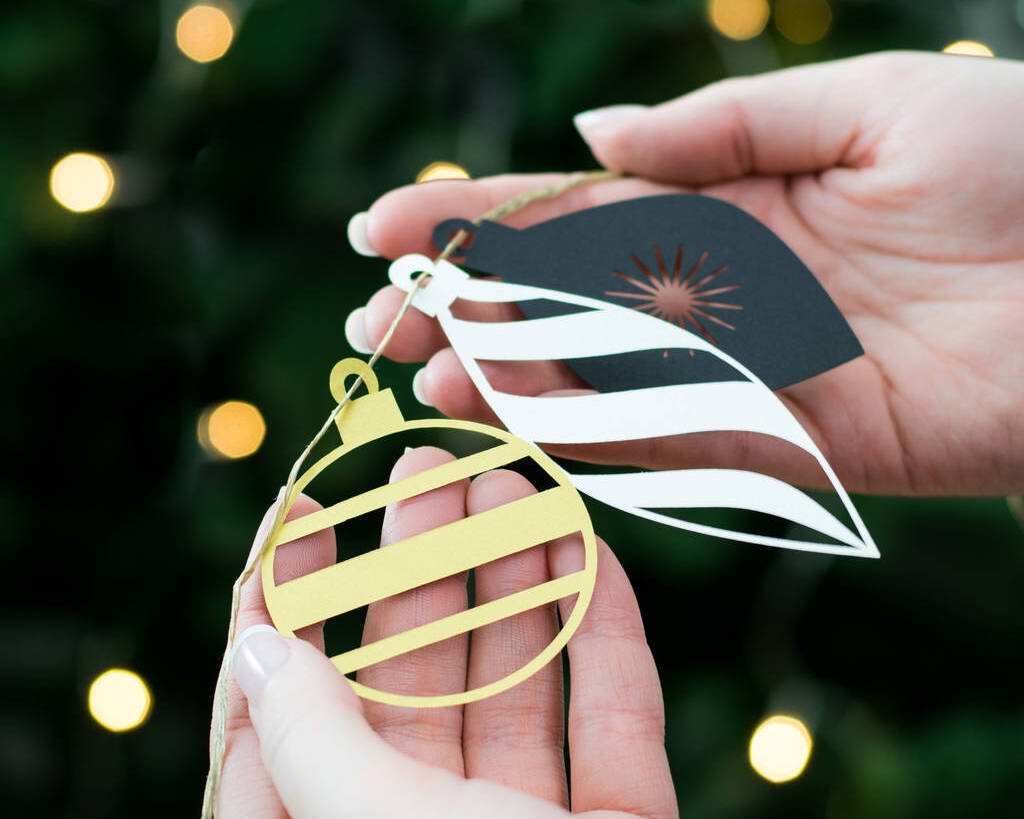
<point x="607" y="329"/>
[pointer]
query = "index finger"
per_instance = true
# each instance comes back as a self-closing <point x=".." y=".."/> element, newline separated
<point x="403" y="220"/>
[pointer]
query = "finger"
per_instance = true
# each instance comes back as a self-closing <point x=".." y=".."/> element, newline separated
<point x="246" y="790"/>
<point x="798" y="120"/>
<point x="417" y="336"/>
<point x="431" y="734"/>
<point x="402" y="221"/>
<point x="616" y="712"/>
<point x="327" y="763"/>
<point x="515" y="738"/>
<point x="444" y="384"/>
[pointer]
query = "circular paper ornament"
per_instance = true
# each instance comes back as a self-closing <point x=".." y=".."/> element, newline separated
<point x="432" y="555"/>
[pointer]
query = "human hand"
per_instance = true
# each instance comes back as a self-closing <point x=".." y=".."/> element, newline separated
<point x="896" y="179"/>
<point x="301" y="744"/>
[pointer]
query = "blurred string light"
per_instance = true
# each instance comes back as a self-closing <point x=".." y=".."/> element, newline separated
<point x="738" y="19"/>
<point x="119" y="700"/>
<point x="82" y="182"/>
<point x="780" y="748"/>
<point x="204" y="33"/>
<point x="442" y="170"/>
<point x="233" y="429"/>
<point x="803" y="21"/>
<point x="970" y="48"/>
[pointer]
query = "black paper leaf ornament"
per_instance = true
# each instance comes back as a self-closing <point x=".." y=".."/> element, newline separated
<point x="695" y="261"/>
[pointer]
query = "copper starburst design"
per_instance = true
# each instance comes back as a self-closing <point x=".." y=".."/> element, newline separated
<point x="681" y="301"/>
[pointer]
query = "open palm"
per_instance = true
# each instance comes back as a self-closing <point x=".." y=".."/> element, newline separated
<point x="896" y="179"/>
<point x="304" y="746"/>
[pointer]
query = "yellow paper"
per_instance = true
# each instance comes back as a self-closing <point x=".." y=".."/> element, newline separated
<point x="432" y="555"/>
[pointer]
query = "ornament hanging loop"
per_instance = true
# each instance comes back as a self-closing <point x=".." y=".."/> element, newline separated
<point x="435" y="296"/>
<point x="369" y="416"/>
<point x="446" y="232"/>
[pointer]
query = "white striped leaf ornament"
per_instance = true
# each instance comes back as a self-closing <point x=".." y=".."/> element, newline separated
<point x="605" y="329"/>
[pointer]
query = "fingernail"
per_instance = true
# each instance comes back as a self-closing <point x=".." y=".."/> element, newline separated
<point x="355" y="331"/>
<point x="592" y="123"/>
<point x="258" y="653"/>
<point x="419" y="387"/>
<point x="407" y="450"/>
<point x="358" y="236"/>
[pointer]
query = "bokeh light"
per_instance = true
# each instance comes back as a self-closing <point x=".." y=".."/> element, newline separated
<point x="738" y="19"/>
<point x="119" y="700"/>
<point x="82" y="182"/>
<point x="204" y="33"/>
<point x="442" y="170"/>
<point x="233" y="429"/>
<point x="970" y="48"/>
<point x="803" y="21"/>
<point x="780" y="748"/>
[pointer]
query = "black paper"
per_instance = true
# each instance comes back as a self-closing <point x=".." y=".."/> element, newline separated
<point x="786" y="329"/>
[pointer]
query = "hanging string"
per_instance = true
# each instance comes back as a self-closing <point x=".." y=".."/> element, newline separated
<point x="220" y="706"/>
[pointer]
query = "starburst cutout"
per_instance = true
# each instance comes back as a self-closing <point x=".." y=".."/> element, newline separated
<point x="684" y="301"/>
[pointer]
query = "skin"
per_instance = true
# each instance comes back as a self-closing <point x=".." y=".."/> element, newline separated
<point x="895" y="178"/>
<point x="308" y="747"/>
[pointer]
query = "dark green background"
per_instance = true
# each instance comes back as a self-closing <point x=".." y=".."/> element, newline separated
<point x="229" y="276"/>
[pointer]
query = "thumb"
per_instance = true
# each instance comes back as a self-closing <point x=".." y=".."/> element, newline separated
<point x="793" y="121"/>
<point x="325" y="760"/>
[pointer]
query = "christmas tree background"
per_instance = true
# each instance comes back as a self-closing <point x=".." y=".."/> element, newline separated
<point x="220" y="270"/>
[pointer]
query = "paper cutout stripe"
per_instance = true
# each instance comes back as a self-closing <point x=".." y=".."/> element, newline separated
<point x="384" y="572"/>
<point x="381" y="496"/>
<point x="605" y="329"/>
<point x="577" y="335"/>
<point x="459" y="623"/>
<point x="648" y="413"/>
<point x="731" y="488"/>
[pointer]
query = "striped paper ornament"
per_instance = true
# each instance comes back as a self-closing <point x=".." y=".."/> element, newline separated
<point x="441" y="552"/>
<point x="600" y="328"/>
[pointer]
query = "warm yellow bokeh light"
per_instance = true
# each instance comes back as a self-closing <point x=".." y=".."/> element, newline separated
<point x="738" y="19"/>
<point x="82" y="182"/>
<point x="442" y="170"/>
<point x="803" y="21"/>
<point x="234" y="429"/>
<point x="119" y="700"/>
<point x="204" y="33"/>
<point x="780" y="748"/>
<point x="971" y="48"/>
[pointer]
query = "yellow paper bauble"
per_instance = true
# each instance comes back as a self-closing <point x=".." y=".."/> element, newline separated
<point x="432" y="555"/>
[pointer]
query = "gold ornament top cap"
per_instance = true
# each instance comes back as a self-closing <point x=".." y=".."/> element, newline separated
<point x="369" y="416"/>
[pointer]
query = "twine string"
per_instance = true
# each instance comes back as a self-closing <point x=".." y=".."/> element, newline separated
<point x="219" y="728"/>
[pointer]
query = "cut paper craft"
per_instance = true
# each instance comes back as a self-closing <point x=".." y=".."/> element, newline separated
<point x="438" y="553"/>
<point x="697" y="262"/>
<point x="601" y="328"/>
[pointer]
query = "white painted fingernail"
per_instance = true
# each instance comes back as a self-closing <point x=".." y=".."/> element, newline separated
<point x="419" y="387"/>
<point x="258" y="652"/>
<point x="358" y="236"/>
<point x="590" y="124"/>
<point x="355" y="331"/>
